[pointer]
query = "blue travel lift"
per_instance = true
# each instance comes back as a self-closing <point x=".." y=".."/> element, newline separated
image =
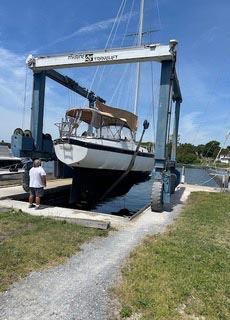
<point x="33" y="143"/>
<point x="165" y="176"/>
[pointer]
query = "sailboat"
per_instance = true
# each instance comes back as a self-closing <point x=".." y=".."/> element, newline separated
<point x="107" y="145"/>
<point x="7" y="160"/>
<point x="99" y="144"/>
<point x="220" y="175"/>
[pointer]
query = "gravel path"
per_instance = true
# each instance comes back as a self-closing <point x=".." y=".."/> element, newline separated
<point x="78" y="290"/>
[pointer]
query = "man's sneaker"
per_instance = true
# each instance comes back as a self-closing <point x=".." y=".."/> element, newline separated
<point x="31" y="205"/>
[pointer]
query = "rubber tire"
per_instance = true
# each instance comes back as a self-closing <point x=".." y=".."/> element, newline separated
<point x="27" y="133"/>
<point x="18" y="131"/>
<point x="47" y="136"/>
<point x="157" y="196"/>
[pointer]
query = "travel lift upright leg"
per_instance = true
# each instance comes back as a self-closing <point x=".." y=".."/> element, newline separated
<point x="37" y="110"/>
<point x="165" y="177"/>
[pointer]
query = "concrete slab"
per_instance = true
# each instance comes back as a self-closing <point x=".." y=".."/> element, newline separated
<point x="87" y="218"/>
<point x="84" y="218"/>
<point x="195" y="187"/>
<point x="81" y="217"/>
<point x="17" y="190"/>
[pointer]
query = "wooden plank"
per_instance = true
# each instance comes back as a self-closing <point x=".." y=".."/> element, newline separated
<point x="89" y="223"/>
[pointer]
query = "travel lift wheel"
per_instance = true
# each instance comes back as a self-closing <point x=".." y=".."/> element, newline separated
<point x="18" y="131"/>
<point x="157" y="196"/>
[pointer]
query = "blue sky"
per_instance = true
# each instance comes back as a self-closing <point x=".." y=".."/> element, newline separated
<point x="202" y="28"/>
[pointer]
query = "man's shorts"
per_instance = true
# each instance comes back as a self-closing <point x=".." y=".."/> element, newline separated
<point x="37" y="192"/>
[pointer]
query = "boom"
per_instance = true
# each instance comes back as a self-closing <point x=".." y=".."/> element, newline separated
<point x="152" y="52"/>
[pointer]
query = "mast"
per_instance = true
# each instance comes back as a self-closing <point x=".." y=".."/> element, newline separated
<point x="227" y="135"/>
<point x="139" y="43"/>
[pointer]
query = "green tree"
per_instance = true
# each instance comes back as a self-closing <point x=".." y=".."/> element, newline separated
<point x="211" y="149"/>
<point x="200" y="150"/>
<point x="187" y="154"/>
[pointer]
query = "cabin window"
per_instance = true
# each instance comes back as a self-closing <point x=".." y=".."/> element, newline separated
<point x="111" y="132"/>
<point x="126" y="134"/>
<point x="91" y="124"/>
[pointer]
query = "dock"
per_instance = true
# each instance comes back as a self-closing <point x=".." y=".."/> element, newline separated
<point x="14" y="198"/>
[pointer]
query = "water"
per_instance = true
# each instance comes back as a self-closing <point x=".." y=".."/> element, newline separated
<point x="140" y="195"/>
<point x="48" y="167"/>
<point x="198" y="176"/>
<point x="137" y="197"/>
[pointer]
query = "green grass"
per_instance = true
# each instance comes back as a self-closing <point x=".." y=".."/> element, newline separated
<point x="29" y="243"/>
<point x="184" y="273"/>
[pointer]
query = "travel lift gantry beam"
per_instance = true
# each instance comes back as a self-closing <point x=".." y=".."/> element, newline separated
<point x="165" y="177"/>
<point x="33" y="143"/>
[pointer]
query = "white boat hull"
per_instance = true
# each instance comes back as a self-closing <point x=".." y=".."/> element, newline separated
<point x="98" y="164"/>
<point x="103" y="155"/>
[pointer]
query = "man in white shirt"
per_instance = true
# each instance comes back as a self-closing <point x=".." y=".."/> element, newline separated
<point x="37" y="184"/>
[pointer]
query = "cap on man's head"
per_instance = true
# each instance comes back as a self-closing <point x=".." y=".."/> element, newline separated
<point x="37" y="163"/>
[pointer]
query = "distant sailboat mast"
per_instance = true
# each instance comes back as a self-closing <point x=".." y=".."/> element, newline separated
<point x="139" y="43"/>
<point x="218" y="155"/>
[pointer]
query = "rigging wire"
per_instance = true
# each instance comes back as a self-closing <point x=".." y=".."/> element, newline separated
<point x="226" y="138"/>
<point x="118" y="24"/>
<point x="128" y="22"/>
<point x="158" y="12"/>
<point x="115" y="92"/>
<point x="106" y="45"/>
<point x="121" y="9"/>
<point x="212" y="178"/>
<point x="111" y="39"/>
<point x="112" y="67"/>
<point x="92" y="82"/>
<point x="151" y="27"/>
<point x="139" y="43"/>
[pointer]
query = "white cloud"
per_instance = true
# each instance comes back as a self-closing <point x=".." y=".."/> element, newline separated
<point x="12" y="88"/>
<point x="194" y="128"/>
<point x="91" y="28"/>
<point x="15" y="99"/>
<point x="189" y="129"/>
<point x="204" y="111"/>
